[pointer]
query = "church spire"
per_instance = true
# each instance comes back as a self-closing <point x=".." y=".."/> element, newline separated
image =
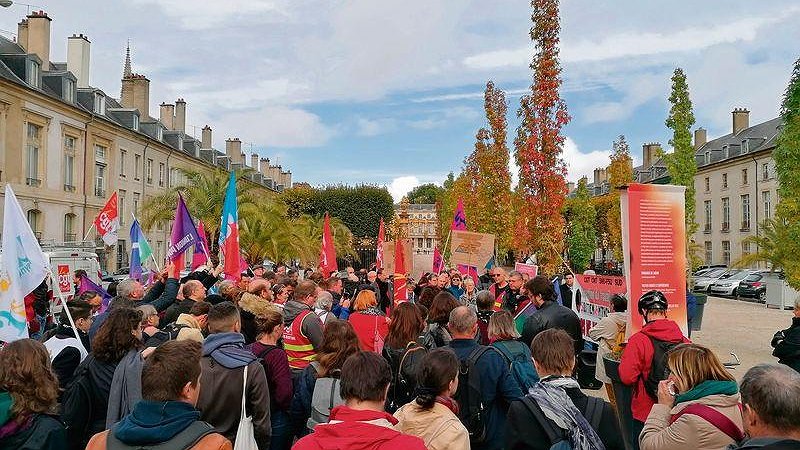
<point x="127" y="71"/>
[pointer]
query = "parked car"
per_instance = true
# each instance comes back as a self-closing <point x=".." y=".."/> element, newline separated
<point x="701" y="283"/>
<point x="728" y="283"/>
<point x="700" y="271"/>
<point x="754" y="286"/>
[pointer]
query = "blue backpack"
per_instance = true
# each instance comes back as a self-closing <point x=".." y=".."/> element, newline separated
<point x="518" y="356"/>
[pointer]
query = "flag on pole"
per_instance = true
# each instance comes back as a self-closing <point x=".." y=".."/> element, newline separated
<point x="229" y="232"/>
<point x="140" y="250"/>
<point x="381" y="238"/>
<point x="438" y="262"/>
<point x="107" y="222"/>
<point x="400" y="288"/>
<point x="86" y="285"/>
<point x="199" y="257"/>
<point x="22" y="269"/>
<point x="184" y="234"/>
<point x="327" y="254"/>
<point x="459" y="218"/>
<point x="557" y="288"/>
<point x="469" y="271"/>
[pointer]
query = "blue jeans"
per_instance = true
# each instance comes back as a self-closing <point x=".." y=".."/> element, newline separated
<point x="281" y="431"/>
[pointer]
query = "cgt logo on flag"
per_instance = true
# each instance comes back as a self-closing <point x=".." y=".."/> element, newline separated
<point x="64" y="278"/>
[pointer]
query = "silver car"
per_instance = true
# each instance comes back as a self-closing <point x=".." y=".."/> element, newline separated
<point x="728" y="283"/>
<point x="701" y="283"/>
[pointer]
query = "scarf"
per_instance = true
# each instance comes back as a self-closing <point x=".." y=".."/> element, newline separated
<point x="448" y="402"/>
<point x="15" y="426"/>
<point x="552" y="398"/>
<point x="228" y="350"/>
<point x="126" y="387"/>
<point x="706" y="388"/>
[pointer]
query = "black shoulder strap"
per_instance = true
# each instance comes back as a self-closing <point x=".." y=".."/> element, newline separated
<point x="263" y="353"/>
<point x="476" y="354"/>
<point x="594" y="412"/>
<point x="503" y="350"/>
<point x="547" y="425"/>
<point x="184" y="440"/>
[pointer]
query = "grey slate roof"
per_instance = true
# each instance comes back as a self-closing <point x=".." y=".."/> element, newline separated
<point x="758" y="137"/>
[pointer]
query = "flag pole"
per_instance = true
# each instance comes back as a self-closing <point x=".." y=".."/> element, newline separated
<point x="444" y="249"/>
<point x="87" y="233"/>
<point x="54" y="285"/>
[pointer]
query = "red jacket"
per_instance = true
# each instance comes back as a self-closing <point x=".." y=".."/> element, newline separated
<point x="351" y="429"/>
<point x="364" y="326"/>
<point x="634" y="367"/>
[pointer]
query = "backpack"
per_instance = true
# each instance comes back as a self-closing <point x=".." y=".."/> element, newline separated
<point x="519" y="362"/>
<point x="432" y="336"/>
<point x="618" y="344"/>
<point x="658" y="365"/>
<point x="402" y="391"/>
<point x="76" y="405"/>
<point x="184" y="440"/>
<point x="472" y="412"/>
<point x="559" y="437"/>
<point x="168" y="333"/>
<point x="326" y="396"/>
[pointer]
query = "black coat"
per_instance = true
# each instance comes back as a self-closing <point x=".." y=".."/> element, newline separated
<point x="566" y="296"/>
<point x="553" y="315"/>
<point x="523" y="431"/>
<point x="45" y="433"/>
<point x="787" y="345"/>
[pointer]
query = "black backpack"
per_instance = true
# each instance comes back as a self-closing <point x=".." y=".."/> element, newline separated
<point x="473" y="412"/>
<point x="76" y="406"/>
<point x="402" y="390"/>
<point x="168" y="333"/>
<point x="658" y="365"/>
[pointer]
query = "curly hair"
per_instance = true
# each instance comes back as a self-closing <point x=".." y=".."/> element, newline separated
<point x="115" y="337"/>
<point x="339" y="340"/>
<point x="406" y="325"/>
<point x="26" y="374"/>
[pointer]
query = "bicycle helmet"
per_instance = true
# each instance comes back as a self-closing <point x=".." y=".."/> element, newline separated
<point x="652" y="300"/>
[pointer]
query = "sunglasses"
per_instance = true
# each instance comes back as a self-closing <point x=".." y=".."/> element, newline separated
<point x="496" y="275"/>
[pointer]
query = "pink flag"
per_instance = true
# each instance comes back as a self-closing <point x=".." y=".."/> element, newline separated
<point x="438" y="262"/>
<point x="201" y="248"/>
<point x="459" y="218"/>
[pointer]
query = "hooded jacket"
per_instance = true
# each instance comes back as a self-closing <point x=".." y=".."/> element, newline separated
<point x="605" y="333"/>
<point x="634" y="367"/>
<point x="250" y="306"/>
<point x="152" y="423"/>
<point x="312" y="325"/>
<point x="438" y="427"/>
<point x="553" y="315"/>
<point x="358" y="430"/>
<point x="191" y="330"/>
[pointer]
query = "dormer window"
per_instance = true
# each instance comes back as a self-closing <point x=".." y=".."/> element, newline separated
<point x="34" y="72"/>
<point x="159" y="133"/>
<point x="99" y="103"/>
<point x="135" y="124"/>
<point x="725" y="152"/>
<point x="708" y="158"/>
<point x="69" y="90"/>
<point x="745" y="146"/>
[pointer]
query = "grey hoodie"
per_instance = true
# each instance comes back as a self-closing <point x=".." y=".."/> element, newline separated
<point x="312" y="325"/>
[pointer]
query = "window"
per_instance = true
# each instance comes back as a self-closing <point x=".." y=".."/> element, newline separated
<point x="746" y="212"/>
<point x="99" y="103"/>
<point x="707" y="205"/>
<point x="149" y="171"/>
<point x="726" y="253"/>
<point x="135" y="122"/>
<point x="32" y="155"/>
<point x="744" y="176"/>
<point x="765" y="171"/>
<point x="69" y="163"/>
<point x="709" y="253"/>
<point x="745" y="248"/>
<point x="161" y="174"/>
<point x="766" y="199"/>
<point x="159" y="133"/>
<point x="726" y="214"/>
<point x="708" y="184"/>
<point x="69" y="91"/>
<point x="707" y="157"/>
<point x="35" y="221"/>
<point x="33" y="73"/>
<point x="121" y="206"/>
<point x="136" y="197"/>
<point x="122" y="155"/>
<point x="99" y="153"/>
<point x="69" y="228"/>
<point x="725" y="152"/>
<point x="745" y="146"/>
<point x="428" y="242"/>
<point x="137" y="162"/>
<point x="99" y="179"/>
<point x="122" y="254"/>
<point x="724" y="181"/>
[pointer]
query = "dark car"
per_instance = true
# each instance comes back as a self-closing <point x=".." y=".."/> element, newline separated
<point x="753" y="286"/>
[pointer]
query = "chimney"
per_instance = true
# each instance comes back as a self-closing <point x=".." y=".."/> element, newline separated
<point x="233" y="149"/>
<point x="22" y="34"/>
<point x="570" y="186"/>
<point x="741" y="119"/>
<point x="254" y="161"/>
<point x="700" y="138"/>
<point x="78" y="58"/>
<point x="205" y="141"/>
<point x="167" y="115"/>
<point x="263" y="169"/>
<point x="596" y="176"/>
<point x="650" y="153"/>
<point x="136" y="94"/>
<point x="39" y="37"/>
<point x="180" y="115"/>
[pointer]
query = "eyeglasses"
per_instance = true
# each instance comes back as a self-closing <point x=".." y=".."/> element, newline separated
<point x="496" y="275"/>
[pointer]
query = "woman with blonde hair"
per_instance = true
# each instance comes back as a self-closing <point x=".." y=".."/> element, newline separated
<point x="503" y="336"/>
<point x="370" y="324"/>
<point x="698" y="404"/>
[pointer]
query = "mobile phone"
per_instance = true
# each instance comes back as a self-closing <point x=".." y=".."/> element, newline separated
<point x="671" y="388"/>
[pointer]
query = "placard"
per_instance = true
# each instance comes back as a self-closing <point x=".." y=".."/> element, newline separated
<point x="388" y="256"/>
<point x="596" y="292"/>
<point x="530" y="269"/>
<point x="471" y="249"/>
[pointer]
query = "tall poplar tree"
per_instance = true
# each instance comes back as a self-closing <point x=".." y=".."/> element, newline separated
<point x="581" y="239"/>
<point x="542" y="186"/>
<point x="620" y="173"/>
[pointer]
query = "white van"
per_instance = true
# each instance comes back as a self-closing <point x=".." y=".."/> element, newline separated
<point x="64" y="263"/>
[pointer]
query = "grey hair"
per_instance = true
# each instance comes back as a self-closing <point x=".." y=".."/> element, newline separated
<point x="324" y="301"/>
<point x="126" y="287"/>
<point x="462" y="319"/>
<point x="485" y="297"/>
<point x="148" y="311"/>
<point x="772" y="391"/>
<point x="190" y="287"/>
<point x="514" y="273"/>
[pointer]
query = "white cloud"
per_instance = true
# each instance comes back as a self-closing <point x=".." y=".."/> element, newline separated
<point x="373" y="127"/>
<point x="638" y="91"/>
<point x="200" y="15"/>
<point x="401" y="186"/>
<point x="581" y="164"/>
<point x="276" y="126"/>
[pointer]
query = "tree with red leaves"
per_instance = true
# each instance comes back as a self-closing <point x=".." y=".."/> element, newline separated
<point x="538" y="145"/>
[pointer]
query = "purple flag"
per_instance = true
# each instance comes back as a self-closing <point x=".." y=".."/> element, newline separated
<point x="459" y="218"/>
<point x="184" y="233"/>
<point x="88" y="285"/>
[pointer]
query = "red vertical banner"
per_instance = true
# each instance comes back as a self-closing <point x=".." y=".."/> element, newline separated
<point x="400" y="289"/>
<point x="654" y="246"/>
<point x="327" y="254"/>
<point x="381" y="238"/>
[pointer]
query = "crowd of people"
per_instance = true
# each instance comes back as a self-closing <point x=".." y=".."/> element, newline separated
<point x="276" y="361"/>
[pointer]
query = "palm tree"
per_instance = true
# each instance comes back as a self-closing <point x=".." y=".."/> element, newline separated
<point x="769" y="246"/>
<point x="311" y="228"/>
<point x="268" y="233"/>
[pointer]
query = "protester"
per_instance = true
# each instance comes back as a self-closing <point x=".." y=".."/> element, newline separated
<point x="515" y="295"/>
<point x="403" y="353"/>
<point x="166" y="416"/>
<point x="503" y="335"/>
<point x="370" y="324"/>
<point x="569" y="291"/>
<point x="436" y="333"/>
<point x="609" y="333"/>
<point x="468" y="298"/>
<point x="771" y="412"/>
<point x="427" y="295"/>
<point x="269" y="327"/>
<point x="322" y="307"/>
<point x="484" y="302"/>
<point x="557" y="403"/>
<point x="433" y="415"/>
<point x="192" y="291"/>
<point x="252" y="304"/>
<point x="456" y="287"/>
<point x="302" y="337"/>
<point x="497" y="388"/>
<point x="500" y="288"/>
<point x="281" y="293"/>
<point x="549" y="314"/>
<point x="99" y="395"/>
<point x="93" y="299"/>
<point x="190" y="327"/>
<point x="28" y="396"/>
<point x="385" y="291"/>
<point x="150" y="323"/>
<point x="787" y="342"/>
<point x="128" y="291"/>
<point x="704" y="414"/>
<point x="226" y="368"/>
<point x="66" y="351"/>
<point x="443" y="281"/>
<point x="361" y="422"/>
<point x="340" y="307"/>
<point x="637" y="362"/>
<point x="339" y="342"/>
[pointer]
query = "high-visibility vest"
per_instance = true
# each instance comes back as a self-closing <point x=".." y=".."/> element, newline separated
<point x="297" y="346"/>
<point x="499" y="297"/>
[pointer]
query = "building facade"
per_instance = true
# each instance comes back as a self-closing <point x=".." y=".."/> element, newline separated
<point x="66" y="146"/>
<point x="421" y="225"/>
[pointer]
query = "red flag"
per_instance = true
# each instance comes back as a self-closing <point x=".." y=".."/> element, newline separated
<point x="229" y="232"/>
<point x="107" y="222"/>
<point x="438" y="262"/>
<point x="400" y="290"/>
<point x="327" y="254"/>
<point x="381" y="238"/>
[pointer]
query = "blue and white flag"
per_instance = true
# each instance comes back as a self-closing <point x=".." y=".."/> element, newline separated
<point x="140" y="250"/>
<point x="22" y="270"/>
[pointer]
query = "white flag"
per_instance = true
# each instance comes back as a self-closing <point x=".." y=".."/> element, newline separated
<point x="22" y="270"/>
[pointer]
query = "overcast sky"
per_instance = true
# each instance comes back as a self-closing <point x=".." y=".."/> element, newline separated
<point x="390" y="92"/>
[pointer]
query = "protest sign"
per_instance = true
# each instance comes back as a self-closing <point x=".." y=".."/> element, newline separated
<point x="388" y="256"/>
<point x="596" y="293"/>
<point x="531" y="269"/>
<point x="471" y="249"/>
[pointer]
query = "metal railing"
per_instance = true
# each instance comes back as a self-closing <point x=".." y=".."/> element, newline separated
<point x="69" y="188"/>
<point x="35" y="182"/>
<point x="99" y="192"/>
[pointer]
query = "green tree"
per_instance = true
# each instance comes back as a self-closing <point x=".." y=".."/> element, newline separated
<point x="787" y="162"/>
<point x="580" y="216"/>
<point x="771" y="246"/>
<point x="681" y="163"/>
<point x="620" y="173"/>
<point x="424" y="194"/>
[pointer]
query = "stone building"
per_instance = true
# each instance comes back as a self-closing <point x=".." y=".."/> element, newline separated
<point x="66" y="146"/>
<point x="421" y="227"/>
